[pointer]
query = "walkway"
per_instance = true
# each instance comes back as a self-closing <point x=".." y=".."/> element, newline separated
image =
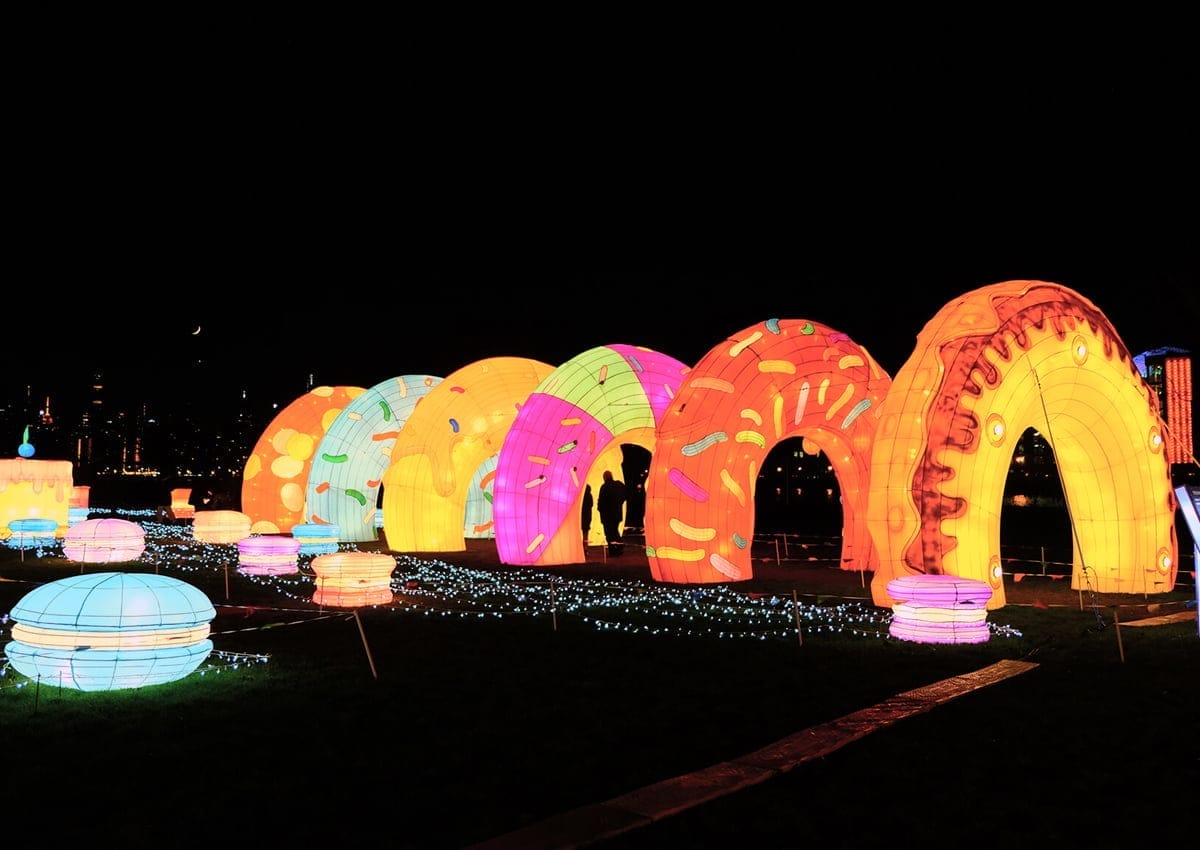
<point x="598" y="821"/>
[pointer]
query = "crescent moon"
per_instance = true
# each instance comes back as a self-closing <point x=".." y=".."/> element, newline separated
<point x="196" y="331"/>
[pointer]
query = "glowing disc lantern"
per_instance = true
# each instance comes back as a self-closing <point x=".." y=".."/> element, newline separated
<point x="220" y="526"/>
<point x="110" y="631"/>
<point x="104" y="540"/>
<point x="268" y="555"/>
<point x="350" y="579"/>
<point x="317" y="538"/>
<point x="939" y="608"/>
<point x="32" y="532"/>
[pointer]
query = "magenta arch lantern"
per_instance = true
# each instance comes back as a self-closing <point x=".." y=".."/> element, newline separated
<point x="581" y="413"/>
<point x="775" y="380"/>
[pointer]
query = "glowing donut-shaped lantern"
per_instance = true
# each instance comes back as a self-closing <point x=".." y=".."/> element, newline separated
<point x="104" y="540"/>
<point x="109" y="631"/>
<point x="275" y="478"/>
<point x="347" y="468"/>
<point x="939" y="608"/>
<point x="987" y="367"/>
<point x="595" y="402"/>
<point x="459" y="424"/>
<point x="351" y="579"/>
<point x="772" y="381"/>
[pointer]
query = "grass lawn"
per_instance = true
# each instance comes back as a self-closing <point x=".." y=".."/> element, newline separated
<point x="488" y="697"/>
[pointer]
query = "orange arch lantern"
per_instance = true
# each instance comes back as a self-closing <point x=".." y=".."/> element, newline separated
<point x="988" y="366"/>
<point x="778" y="379"/>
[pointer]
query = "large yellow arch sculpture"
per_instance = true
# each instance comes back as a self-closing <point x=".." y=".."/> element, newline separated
<point x="991" y="364"/>
<point x="597" y="400"/>
<point x="772" y="381"/>
<point x="275" y="479"/>
<point x="459" y="424"/>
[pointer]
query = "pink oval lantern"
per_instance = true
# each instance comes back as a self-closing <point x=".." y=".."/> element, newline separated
<point x="220" y="526"/>
<point x="350" y="579"/>
<point x="104" y="540"/>
<point x="268" y="555"/>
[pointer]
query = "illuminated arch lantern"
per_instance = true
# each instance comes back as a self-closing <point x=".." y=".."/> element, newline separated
<point x="109" y="631"/>
<point x="220" y="526"/>
<point x="351" y="579"/>
<point x="104" y="540"/>
<point x="459" y="425"/>
<point x="987" y="367"/>
<point x="569" y="430"/>
<point x="317" y="538"/>
<point x="275" y="478"/>
<point x="776" y="380"/>
<point x="268" y="555"/>
<point x="347" y="468"/>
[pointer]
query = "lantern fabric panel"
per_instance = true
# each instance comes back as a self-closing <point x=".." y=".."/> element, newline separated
<point x="106" y="631"/>
<point x="772" y="381"/>
<point x="990" y="365"/>
<point x="104" y="540"/>
<point x="606" y="395"/>
<point x="459" y="424"/>
<point x="275" y="477"/>
<point x="479" y="521"/>
<point x="220" y="526"/>
<point x="350" y="579"/>
<point x="347" y="468"/>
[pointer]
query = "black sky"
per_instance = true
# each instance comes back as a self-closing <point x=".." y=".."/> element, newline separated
<point x="363" y="201"/>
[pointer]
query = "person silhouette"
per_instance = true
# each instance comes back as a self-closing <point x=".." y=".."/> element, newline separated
<point x="610" y="504"/>
<point x="585" y="518"/>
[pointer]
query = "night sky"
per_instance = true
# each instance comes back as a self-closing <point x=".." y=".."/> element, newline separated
<point x="363" y="204"/>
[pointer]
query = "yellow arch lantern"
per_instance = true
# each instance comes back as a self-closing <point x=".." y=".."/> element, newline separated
<point x="990" y="365"/>
<point x="459" y="424"/>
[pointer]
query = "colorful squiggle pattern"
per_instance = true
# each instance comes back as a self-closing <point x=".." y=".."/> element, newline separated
<point x="459" y="424"/>
<point x="568" y="432"/>
<point x="347" y="468"/>
<point x="772" y="381"/>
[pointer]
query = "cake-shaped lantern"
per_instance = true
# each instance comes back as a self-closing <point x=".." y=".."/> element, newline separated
<point x="110" y="631"/>
<point x="350" y="579"/>
<point x="268" y="555"/>
<point x="35" y="488"/>
<point x="220" y="526"/>
<point x="104" y="540"/>
<point x="317" y="538"/>
<point x="939" y="608"/>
